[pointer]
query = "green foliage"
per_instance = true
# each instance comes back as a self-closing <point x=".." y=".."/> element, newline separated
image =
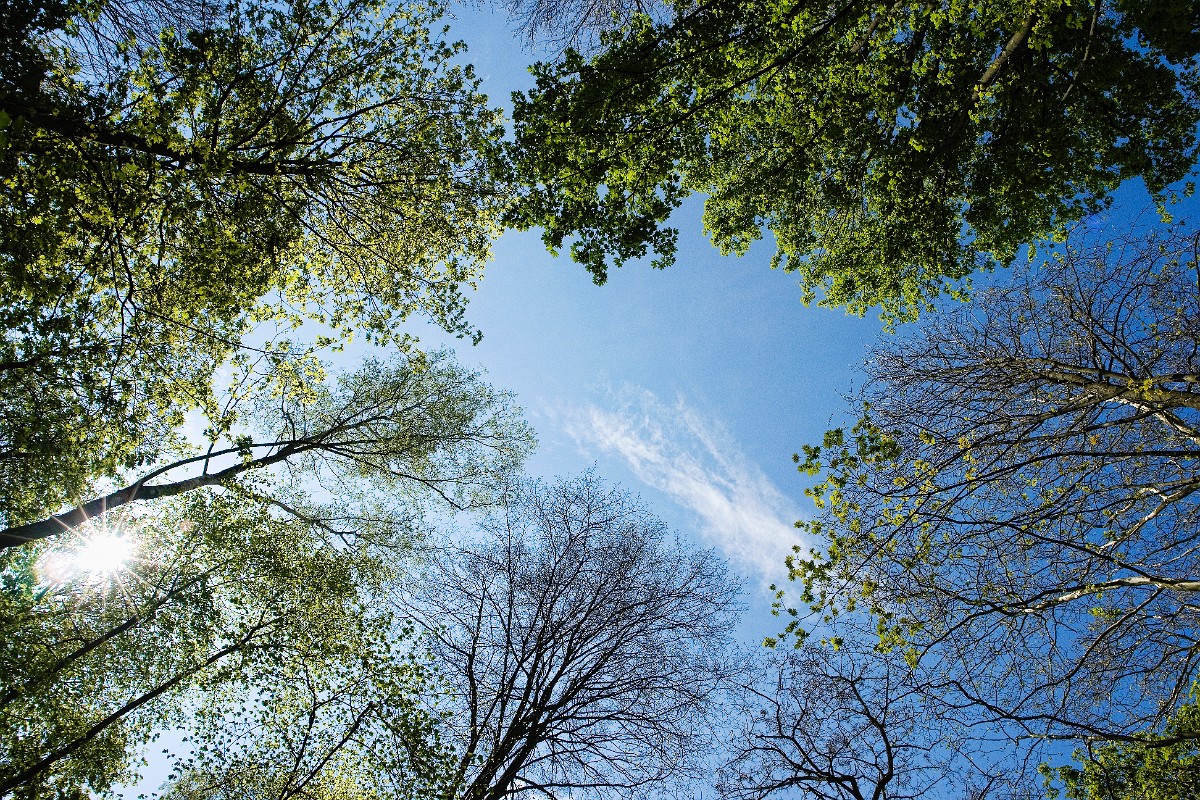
<point x="1162" y="766"/>
<point x="389" y="431"/>
<point x="252" y="169"/>
<point x="230" y="622"/>
<point x="358" y="456"/>
<point x="890" y="149"/>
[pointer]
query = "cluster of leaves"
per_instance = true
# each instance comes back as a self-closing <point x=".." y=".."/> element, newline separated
<point x="226" y="605"/>
<point x="163" y="195"/>
<point x="374" y="443"/>
<point x="1163" y="766"/>
<point x="890" y="149"/>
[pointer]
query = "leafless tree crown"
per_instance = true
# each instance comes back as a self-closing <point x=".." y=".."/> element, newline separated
<point x="582" y="645"/>
<point x="1034" y="537"/>
<point x="578" y="23"/>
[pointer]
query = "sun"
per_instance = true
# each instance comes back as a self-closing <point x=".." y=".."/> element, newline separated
<point x="97" y="558"/>
<point x="105" y="555"/>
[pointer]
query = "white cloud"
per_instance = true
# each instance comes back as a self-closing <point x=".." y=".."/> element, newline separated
<point x="692" y="459"/>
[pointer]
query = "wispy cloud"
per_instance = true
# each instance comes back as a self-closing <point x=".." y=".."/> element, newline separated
<point x="679" y="451"/>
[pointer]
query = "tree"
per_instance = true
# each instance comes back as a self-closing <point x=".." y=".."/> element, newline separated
<point x="830" y="724"/>
<point x="890" y="149"/>
<point x="227" y="617"/>
<point x="1016" y="508"/>
<point x="1165" y="766"/>
<point x="174" y="176"/>
<point x="582" y="649"/>
<point x="348" y="727"/>
<point x="578" y="23"/>
<point x="384" y="434"/>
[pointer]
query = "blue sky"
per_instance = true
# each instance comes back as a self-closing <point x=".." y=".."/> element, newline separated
<point x="691" y="386"/>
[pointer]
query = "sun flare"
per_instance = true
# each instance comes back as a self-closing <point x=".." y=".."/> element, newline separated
<point x="105" y="555"/>
<point x="97" y="559"/>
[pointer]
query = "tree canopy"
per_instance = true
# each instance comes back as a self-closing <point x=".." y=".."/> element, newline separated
<point x="380" y="437"/>
<point x="1164" y="765"/>
<point x="174" y="176"/>
<point x="889" y="149"/>
<point x="199" y="200"/>
<point x="254" y="632"/>
<point x="583" y="649"/>
<point x="1016" y="508"/>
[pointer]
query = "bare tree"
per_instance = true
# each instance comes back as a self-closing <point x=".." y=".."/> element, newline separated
<point x="844" y="724"/>
<point x="579" y="23"/>
<point x="1017" y="505"/>
<point x="583" y="648"/>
